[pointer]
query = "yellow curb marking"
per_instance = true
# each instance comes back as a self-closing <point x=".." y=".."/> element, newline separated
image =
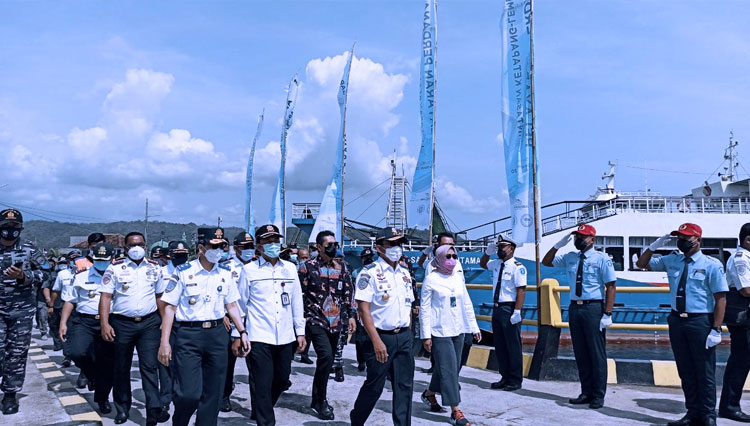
<point x="72" y="400"/>
<point x="39" y="357"/>
<point x="46" y="365"/>
<point x="51" y="374"/>
<point x="90" y="416"/>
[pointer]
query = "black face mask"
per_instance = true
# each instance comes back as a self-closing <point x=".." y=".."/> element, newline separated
<point x="179" y="258"/>
<point x="330" y="250"/>
<point x="10" y="233"/>
<point x="684" y="246"/>
<point x="580" y="243"/>
<point x="367" y="260"/>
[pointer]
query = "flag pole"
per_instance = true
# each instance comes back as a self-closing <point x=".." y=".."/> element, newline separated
<point x="537" y="226"/>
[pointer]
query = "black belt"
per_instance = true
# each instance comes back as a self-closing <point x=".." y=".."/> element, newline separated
<point x="200" y="324"/>
<point x="394" y="331"/>
<point x="505" y="304"/>
<point x="585" y="302"/>
<point x="90" y="316"/>
<point x="133" y="319"/>
<point x="689" y="314"/>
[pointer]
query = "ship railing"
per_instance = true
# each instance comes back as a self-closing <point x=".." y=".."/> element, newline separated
<point x="305" y="210"/>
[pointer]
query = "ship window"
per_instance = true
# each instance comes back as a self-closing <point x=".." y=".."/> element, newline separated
<point x="613" y="246"/>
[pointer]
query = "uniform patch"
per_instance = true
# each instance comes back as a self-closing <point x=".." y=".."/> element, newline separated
<point x="363" y="281"/>
<point x="609" y="263"/>
<point x="741" y="268"/>
<point x="107" y="278"/>
<point x="171" y="286"/>
<point x="224" y="266"/>
<point x="522" y="271"/>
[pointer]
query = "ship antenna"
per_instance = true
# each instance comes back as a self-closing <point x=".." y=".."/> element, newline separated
<point x="731" y="156"/>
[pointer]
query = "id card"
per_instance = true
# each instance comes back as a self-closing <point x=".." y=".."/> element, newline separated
<point x="453" y="301"/>
<point x="285" y="299"/>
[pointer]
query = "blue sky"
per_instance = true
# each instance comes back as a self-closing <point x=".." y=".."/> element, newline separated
<point x="103" y="104"/>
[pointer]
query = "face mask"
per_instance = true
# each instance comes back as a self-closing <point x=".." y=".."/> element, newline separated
<point x="394" y="253"/>
<point x="247" y="254"/>
<point x="179" y="258"/>
<point x="684" y="246"/>
<point x="330" y="250"/>
<point x="503" y="254"/>
<point x="62" y="266"/>
<point x="101" y="265"/>
<point x="367" y="260"/>
<point x="224" y="256"/>
<point x="449" y="264"/>
<point x="272" y="250"/>
<point x="136" y="253"/>
<point x="313" y="254"/>
<point x="293" y="258"/>
<point x="10" y="233"/>
<point x="580" y="243"/>
<point x="72" y="264"/>
<point x="214" y="255"/>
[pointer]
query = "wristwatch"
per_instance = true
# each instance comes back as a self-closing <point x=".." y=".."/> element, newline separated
<point x="609" y="314"/>
<point x="243" y="332"/>
<point x="717" y="329"/>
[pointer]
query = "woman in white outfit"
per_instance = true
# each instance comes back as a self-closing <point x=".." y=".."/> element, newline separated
<point x="445" y="314"/>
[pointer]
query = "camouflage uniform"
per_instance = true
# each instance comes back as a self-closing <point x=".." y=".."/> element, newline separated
<point x="17" y="307"/>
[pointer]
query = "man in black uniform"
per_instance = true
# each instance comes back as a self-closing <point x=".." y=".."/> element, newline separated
<point x="17" y="289"/>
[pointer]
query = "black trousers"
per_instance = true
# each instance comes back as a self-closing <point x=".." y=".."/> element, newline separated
<point x="200" y="362"/>
<point x="166" y="379"/>
<point x="360" y="342"/>
<point x="589" y="348"/>
<point x="508" y="348"/>
<point x="92" y="354"/>
<point x="143" y="336"/>
<point x="400" y="365"/>
<point x="738" y="366"/>
<point x="696" y="365"/>
<point x="270" y="366"/>
<point x="468" y="343"/>
<point x="231" y="362"/>
<point x="325" y="345"/>
<point x="54" y="326"/>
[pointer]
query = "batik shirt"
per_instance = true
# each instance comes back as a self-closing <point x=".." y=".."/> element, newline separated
<point x="327" y="292"/>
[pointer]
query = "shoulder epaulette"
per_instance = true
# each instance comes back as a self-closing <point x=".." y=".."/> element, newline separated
<point x="152" y="261"/>
<point x="118" y="261"/>
<point x="518" y="263"/>
<point x="185" y="266"/>
<point x="224" y="266"/>
<point x="370" y="266"/>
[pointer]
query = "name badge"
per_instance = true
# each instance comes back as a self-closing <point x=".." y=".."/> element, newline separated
<point x="453" y="301"/>
<point x="506" y="275"/>
<point x="285" y="301"/>
<point x="341" y="286"/>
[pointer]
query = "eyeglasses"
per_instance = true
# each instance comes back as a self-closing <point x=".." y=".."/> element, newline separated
<point x="218" y="246"/>
<point x="451" y="256"/>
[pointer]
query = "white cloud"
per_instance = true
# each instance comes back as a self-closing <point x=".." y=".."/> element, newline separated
<point x="131" y="106"/>
<point x="459" y="198"/>
<point x="85" y="141"/>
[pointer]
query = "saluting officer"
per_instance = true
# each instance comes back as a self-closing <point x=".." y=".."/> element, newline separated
<point x="738" y="364"/>
<point x="244" y="253"/>
<point x="197" y="295"/>
<point x="589" y="273"/>
<point x="271" y="297"/>
<point x="385" y="296"/>
<point x="508" y="294"/>
<point x="698" y="290"/>
<point x="132" y="286"/>
<point x="86" y="347"/>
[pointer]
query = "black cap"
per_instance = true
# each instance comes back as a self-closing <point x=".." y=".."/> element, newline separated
<point x="11" y="216"/>
<point x="157" y="251"/>
<point x="102" y="251"/>
<point x="288" y="247"/>
<point x="74" y="254"/>
<point x="177" y="247"/>
<point x="267" y="231"/>
<point x="391" y="234"/>
<point x="243" y="238"/>
<point x="211" y="236"/>
<point x="367" y="251"/>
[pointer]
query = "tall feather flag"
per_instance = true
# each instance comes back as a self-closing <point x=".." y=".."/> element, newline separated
<point x="249" y="214"/>
<point x="278" y="201"/>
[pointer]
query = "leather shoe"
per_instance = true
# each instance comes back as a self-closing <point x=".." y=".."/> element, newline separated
<point x="737" y="416"/>
<point x="323" y="410"/>
<point x="226" y="405"/>
<point x="361" y="366"/>
<point x="582" y="399"/>
<point x="685" y="421"/>
<point x="338" y="375"/>
<point x="596" y="404"/>
<point x="9" y="404"/>
<point x="709" y="421"/>
<point x="82" y="381"/>
<point x="105" y="407"/>
<point x="498" y="385"/>
<point x="121" y="418"/>
<point x="65" y="362"/>
<point x="510" y="388"/>
<point x="305" y="359"/>
<point x="162" y="417"/>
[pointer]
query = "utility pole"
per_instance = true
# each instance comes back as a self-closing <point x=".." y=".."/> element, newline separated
<point x="145" y="226"/>
<point x="218" y="222"/>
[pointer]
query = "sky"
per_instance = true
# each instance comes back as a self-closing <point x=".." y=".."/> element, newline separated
<point x="106" y="104"/>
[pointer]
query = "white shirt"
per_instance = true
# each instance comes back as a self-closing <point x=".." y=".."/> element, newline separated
<point x="514" y="276"/>
<point x="261" y="287"/>
<point x="379" y="279"/>
<point x="446" y="309"/>
<point x="64" y="278"/>
<point x="738" y="269"/>
<point x="133" y="287"/>
<point x="84" y="291"/>
<point x="198" y="294"/>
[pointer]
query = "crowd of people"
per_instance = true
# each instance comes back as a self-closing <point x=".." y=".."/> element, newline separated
<point x="191" y="317"/>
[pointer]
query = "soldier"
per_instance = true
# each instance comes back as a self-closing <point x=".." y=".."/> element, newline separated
<point x="86" y="347"/>
<point x="198" y="295"/>
<point x="271" y="297"/>
<point x="18" y="285"/>
<point x="698" y="290"/>
<point x="244" y="250"/>
<point x="590" y="272"/>
<point x="42" y="298"/>
<point x="131" y="287"/>
<point x="385" y="296"/>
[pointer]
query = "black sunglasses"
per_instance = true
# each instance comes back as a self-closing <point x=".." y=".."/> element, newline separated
<point x="218" y="246"/>
<point x="451" y="256"/>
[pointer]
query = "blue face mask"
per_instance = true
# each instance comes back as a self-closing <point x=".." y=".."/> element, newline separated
<point x="72" y="264"/>
<point x="224" y="256"/>
<point x="294" y="258"/>
<point x="247" y="254"/>
<point x="272" y="250"/>
<point x="101" y="265"/>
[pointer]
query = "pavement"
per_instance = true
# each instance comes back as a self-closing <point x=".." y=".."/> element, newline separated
<point x="49" y="397"/>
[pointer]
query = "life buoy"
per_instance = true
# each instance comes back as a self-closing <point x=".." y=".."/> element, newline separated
<point x="683" y="207"/>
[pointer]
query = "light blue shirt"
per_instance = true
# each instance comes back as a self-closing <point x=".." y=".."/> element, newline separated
<point x="705" y="277"/>
<point x="597" y="271"/>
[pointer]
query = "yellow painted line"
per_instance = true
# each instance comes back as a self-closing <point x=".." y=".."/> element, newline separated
<point x="39" y="357"/>
<point x="665" y="373"/>
<point x="35" y="350"/>
<point x="72" y="400"/>
<point x="478" y="357"/>
<point x="611" y="372"/>
<point x="91" y="416"/>
<point x="51" y="374"/>
<point x="46" y="365"/>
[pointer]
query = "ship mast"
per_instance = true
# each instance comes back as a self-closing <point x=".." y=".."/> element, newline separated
<point x="731" y="156"/>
